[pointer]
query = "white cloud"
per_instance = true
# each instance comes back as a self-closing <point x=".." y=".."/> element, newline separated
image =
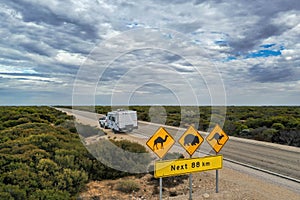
<point x="69" y="58"/>
<point x="289" y="54"/>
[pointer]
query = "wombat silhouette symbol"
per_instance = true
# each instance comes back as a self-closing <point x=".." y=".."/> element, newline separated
<point x="191" y="139"/>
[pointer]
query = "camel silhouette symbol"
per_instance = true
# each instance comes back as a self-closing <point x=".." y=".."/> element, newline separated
<point x="217" y="137"/>
<point x="161" y="141"/>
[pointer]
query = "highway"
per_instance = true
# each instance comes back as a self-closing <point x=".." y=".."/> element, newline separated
<point x="273" y="158"/>
<point x="281" y="159"/>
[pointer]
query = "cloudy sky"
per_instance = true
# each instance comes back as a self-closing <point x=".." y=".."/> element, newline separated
<point x="150" y="52"/>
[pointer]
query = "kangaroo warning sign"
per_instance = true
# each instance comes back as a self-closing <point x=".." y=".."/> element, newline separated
<point x="217" y="138"/>
<point x="191" y="140"/>
<point x="160" y="142"/>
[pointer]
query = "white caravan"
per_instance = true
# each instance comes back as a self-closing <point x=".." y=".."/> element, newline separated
<point x="122" y="120"/>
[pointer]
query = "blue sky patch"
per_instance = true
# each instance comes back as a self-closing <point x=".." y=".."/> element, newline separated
<point x="267" y="45"/>
<point x="229" y="58"/>
<point x="221" y="43"/>
<point x="263" y="53"/>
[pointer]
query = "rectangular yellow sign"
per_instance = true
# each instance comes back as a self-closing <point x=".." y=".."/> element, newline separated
<point x="185" y="166"/>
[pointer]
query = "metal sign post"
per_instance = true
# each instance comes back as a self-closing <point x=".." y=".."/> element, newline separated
<point x="190" y="141"/>
<point x="217" y="139"/>
<point x="217" y="179"/>
<point x="160" y="188"/>
<point x="191" y="188"/>
<point x="217" y="183"/>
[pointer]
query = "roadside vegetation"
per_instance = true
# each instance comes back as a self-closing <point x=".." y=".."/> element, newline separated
<point x="42" y="157"/>
<point x="272" y="124"/>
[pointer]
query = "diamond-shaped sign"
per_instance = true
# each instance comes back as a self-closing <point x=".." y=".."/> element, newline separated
<point x="191" y="140"/>
<point x="160" y="142"/>
<point x="217" y="138"/>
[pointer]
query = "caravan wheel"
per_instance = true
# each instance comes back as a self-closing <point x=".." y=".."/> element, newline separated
<point x="130" y="130"/>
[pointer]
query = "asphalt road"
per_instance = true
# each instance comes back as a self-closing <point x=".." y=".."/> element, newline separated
<point x="281" y="159"/>
<point x="277" y="158"/>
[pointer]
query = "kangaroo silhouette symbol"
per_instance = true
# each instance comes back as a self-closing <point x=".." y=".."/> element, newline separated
<point x="217" y="136"/>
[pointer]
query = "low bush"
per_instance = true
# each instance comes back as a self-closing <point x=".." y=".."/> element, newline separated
<point x="128" y="186"/>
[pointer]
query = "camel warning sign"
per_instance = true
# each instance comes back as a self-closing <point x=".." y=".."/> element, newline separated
<point x="160" y="142"/>
<point x="191" y="140"/>
<point x="217" y="138"/>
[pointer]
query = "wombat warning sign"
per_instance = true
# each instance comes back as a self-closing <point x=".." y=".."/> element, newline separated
<point x="191" y="140"/>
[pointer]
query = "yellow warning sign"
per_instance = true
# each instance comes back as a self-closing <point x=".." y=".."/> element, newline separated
<point x="191" y="140"/>
<point x="185" y="166"/>
<point x="161" y="142"/>
<point x="217" y="138"/>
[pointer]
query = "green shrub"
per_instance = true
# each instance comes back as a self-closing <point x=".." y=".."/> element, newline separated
<point x="117" y="154"/>
<point x="71" y="180"/>
<point x="49" y="195"/>
<point x="278" y="126"/>
<point x="130" y="146"/>
<point x="12" y="192"/>
<point x="6" y="196"/>
<point x="69" y="125"/>
<point x="88" y="131"/>
<point x="127" y="186"/>
<point x="172" y="156"/>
